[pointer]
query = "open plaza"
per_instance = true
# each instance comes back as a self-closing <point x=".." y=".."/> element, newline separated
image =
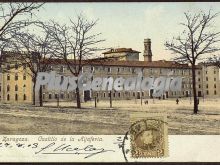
<point x="67" y="119"/>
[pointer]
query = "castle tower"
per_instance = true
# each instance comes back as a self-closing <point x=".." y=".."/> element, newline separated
<point x="147" y="50"/>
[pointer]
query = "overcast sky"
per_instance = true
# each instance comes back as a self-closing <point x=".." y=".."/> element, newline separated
<point x="128" y="24"/>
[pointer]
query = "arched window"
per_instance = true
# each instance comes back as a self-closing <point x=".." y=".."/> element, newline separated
<point x="8" y="67"/>
<point x="8" y="97"/>
<point x="24" y="66"/>
<point x="24" y="76"/>
<point x="16" y="66"/>
<point x="8" y="88"/>
<point x="25" y="97"/>
<point x="16" y="76"/>
<point x="8" y="77"/>
<point x="16" y="97"/>
<point x="16" y="87"/>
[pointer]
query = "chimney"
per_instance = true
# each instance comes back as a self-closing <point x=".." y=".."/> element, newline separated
<point x="147" y="50"/>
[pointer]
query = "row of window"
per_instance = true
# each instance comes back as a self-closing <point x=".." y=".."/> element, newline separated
<point x="15" y="66"/>
<point x="16" y="87"/>
<point x="16" y="76"/>
<point x="207" y="79"/>
<point x="207" y="92"/>
<point x="206" y="72"/>
<point x="16" y="97"/>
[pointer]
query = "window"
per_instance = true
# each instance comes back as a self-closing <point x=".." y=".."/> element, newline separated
<point x="134" y="94"/>
<point x="16" y="76"/>
<point x="92" y="68"/>
<point x="24" y="77"/>
<point x="16" y="87"/>
<point x="214" y="79"/>
<point x="207" y="92"/>
<point x="8" y="67"/>
<point x="199" y="86"/>
<point x="207" y="86"/>
<point x="50" y="96"/>
<point x="0" y="88"/>
<point x="214" y="72"/>
<point x="62" y="96"/>
<point x="8" y="77"/>
<point x="118" y="70"/>
<point x="142" y="93"/>
<point x="56" y="96"/>
<point x="8" y="88"/>
<point x="119" y="94"/>
<point x="198" y="79"/>
<point x="16" y="97"/>
<point x="109" y="70"/>
<point x="206" y="72"/>
<point x="133" y="70"/>
<point x="214" y="85"/>
<point x="8" y="97"/>
<point x="25" y="97"/>
<point x="16" y="66"/>
<point x="207" y="79"/>
<point x="104" y="94"/>
<point x="114" y="94"/>
<point x="215" y="93"/>
<point x="198" y="72"/>
<point x="62" y="69"/>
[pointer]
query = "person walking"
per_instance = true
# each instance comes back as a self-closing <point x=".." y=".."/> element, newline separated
<point x="177" y="101"/>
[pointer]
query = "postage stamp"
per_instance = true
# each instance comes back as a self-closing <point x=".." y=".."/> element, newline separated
<point x="149" y="136"/>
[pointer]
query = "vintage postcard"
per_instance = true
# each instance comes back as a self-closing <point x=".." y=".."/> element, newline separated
<point x="109" y="82"/>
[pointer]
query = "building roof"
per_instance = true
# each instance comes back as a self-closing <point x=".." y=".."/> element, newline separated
<point x="121" y="50"/>
<point x="153" y="64"/>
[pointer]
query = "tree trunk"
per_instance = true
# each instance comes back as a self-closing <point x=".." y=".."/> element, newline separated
<point x="34" y="84"/>
<point x="78" y="98"/>
<point x="110" y="97"/>
<point x="40" y="96"/>
<point x="195" y="110"/>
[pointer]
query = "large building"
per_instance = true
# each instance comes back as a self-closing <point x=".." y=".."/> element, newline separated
<point x="16" y="82"/>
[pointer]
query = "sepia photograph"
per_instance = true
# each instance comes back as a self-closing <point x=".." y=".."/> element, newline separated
<point x="84" y="68"/>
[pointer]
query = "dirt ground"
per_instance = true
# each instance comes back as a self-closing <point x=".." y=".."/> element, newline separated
<point x="21" y="119"/>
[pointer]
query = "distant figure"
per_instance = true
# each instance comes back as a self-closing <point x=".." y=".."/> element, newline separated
<point x="198" y="101"/>
<point x="146" y="102"/>
<point x="177" y="101"/>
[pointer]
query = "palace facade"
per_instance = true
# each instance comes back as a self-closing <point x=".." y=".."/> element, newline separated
<point x="16" y="82"/>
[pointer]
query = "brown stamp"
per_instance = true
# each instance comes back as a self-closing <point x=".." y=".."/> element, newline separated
<point x="148" y="136"/>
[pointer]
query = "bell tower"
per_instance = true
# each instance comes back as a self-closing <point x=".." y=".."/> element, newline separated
<point x="147" y="50"/>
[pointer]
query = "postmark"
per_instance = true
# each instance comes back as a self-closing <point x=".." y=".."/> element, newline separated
<point x="148" y="136"/>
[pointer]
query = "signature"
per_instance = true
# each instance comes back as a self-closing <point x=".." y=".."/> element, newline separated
<point x="88" y="151"/>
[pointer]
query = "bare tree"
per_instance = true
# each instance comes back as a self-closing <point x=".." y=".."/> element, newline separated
<point x="10" y="20"/>
<point x="215" y="60"/>
<point x="36" y="49"/>
<point x="75" y="44"/>
<point x="197" y="41"/>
